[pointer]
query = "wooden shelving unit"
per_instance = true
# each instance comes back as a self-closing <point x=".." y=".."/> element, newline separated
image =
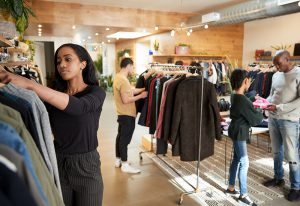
<point x="164" y="58"/>
<point x="4" y="42"/>
<point x="189" y="55"/>
<point x="270" y="58"/>
<point x="12" y="50"/>
<point x="11" y="64"/>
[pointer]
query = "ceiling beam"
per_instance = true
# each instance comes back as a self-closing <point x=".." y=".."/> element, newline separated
<point x="94" y="15"/>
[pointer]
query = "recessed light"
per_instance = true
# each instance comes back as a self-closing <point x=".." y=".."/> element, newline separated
<point x="39" y="29"/>
<point x="89" y="37"/>
<point x="205" y="26"/>
<point x="191" y="30"/>
<point x="73" y="27"/>
<point x="40" y="26"/>
<point x="117" y="38"/>
<point x="108" y="40"/>
<point x="156" y="28"/>
<point x="96" y="34"/>
<point x="83" y="40"/>
<point x="107" y="29"/>
<point x="102" y="42"/>
<point x="40" y="34"/>
<point x="188" y="33"/>
<point x="173" y="32"/>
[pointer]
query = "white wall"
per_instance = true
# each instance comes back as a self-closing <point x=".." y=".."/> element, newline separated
<point x="277" y="31"/>
<point x="39" y="58"/>
<point x="141" y="57"/>
<point x="109" y="59"/>
<point x="58" y="41"/>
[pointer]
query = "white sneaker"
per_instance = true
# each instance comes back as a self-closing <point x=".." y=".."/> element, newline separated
<point x="118" y="162"/>
<point x="129" y="169"/>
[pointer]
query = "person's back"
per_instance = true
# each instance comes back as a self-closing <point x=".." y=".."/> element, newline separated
<point x="122" y="85"/>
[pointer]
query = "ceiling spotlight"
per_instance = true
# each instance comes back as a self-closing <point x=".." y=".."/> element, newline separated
<point x="118" y="38"/>
<point x="102" y="42"/>
<point x="40" y="34"/>
<point x="96" y="34"/>
<point x="144" y="30"/>
<point x="89" y="37"/>
<point x="107" y="29"/>
<point x="156" y="28"/>
<point x="173" y="32"/>
<point x="40" y="26"/>
<point x="108" y="40"/>
<point x="39" y="29"/>
<point x="83" y="40"/>
<point x="188" y="33"/>
<point x="73" y="27"/>
<point x="190" y="30"/>
<point x="205" y="26"/>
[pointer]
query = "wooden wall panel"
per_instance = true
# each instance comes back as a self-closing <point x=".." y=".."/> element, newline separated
<point x="225" y="40"/>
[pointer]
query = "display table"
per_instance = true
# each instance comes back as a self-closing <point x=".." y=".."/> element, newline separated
<point x="258" y="131"/>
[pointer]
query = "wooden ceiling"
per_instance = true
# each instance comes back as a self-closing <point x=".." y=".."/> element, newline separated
<point x="57" y="19"/>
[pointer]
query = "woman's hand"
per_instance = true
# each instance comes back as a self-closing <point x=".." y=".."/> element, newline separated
<point x="6" y="77"/>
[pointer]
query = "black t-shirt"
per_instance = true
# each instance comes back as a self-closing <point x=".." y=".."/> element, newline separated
<point x="75" y="128"/>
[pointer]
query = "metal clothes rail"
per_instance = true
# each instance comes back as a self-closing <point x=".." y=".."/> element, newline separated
<point x="169" y="67"/>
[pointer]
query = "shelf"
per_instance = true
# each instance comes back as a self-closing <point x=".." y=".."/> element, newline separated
<point x="270" y="58"/>
<point x="189" y="55"/>
<point x="12" y="50"/>
<point x="4" y="42"/>
<point x="10" y="64"/>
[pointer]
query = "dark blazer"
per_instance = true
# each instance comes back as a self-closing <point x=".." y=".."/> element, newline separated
<point x="186" y="120"/>
<point x="140" y="83"/>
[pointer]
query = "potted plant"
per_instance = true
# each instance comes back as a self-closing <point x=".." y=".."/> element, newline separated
<point x="18" y="11"/>
<point x="98" y="65"/>
<point x="182" y="49"/>
<point x="156" y="46"/>
<point x="110" y="82"/>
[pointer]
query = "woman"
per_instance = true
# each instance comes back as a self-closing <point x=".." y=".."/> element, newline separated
<point x="74" y="107"/>
<point x="243" y="117"/>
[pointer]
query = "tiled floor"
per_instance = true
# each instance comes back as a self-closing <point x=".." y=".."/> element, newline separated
<point x="152" y="186"/>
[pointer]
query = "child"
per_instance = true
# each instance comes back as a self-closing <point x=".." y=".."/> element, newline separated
<point x="243" y="116"/>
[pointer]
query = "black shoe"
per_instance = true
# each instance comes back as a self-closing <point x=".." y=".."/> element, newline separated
<point x="274" y="182"/>
<point x="245" y="200"/>
<point x="294" y="195"/>
<point x="232" y="193"/>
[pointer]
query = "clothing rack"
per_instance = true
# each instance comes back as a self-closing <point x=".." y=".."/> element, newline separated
<point x="197" y="189"/>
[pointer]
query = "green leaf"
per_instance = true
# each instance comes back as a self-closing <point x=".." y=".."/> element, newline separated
<point x="30" y="11"/>
<point x="18" y="7"/>
<point x="21" y="24"/>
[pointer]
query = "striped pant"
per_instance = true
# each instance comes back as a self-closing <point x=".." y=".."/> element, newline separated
<point x="81" y="179"/>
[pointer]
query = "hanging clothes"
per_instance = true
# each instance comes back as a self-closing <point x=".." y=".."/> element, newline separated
<point x="42" y="178"/>
<point x="42" y="122"/>
<point x="186" y="120"/>
<point x="23" y="172"/>
<point x="12" y="190"/>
